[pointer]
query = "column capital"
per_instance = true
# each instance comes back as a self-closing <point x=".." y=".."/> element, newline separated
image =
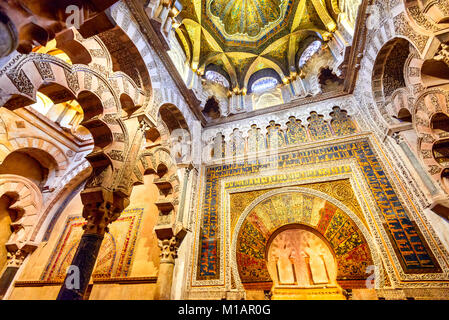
<point x="16" y="258"/>
<point x="145" y="122"/>
<point x="98" y="217"/>
<point x="170" y="242"/>
<point x="169" y="249"/>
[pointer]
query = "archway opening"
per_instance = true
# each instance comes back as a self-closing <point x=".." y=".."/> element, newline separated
<point x="33" y="164"/>
<point x="211" y="109"/>
<point x="440" y="122"/>
<point x="300" y="258"/>
<point x="404" y="115"/>
<point x="440" y="151"/>
<point x="435" y="73"/>
<point x="329" y="80"/>
<point x="388" y="70"/>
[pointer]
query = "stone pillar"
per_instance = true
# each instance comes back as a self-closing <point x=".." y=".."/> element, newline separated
<point x="169" y="252"/>
<point x="15" y="260"/>
<point x="102" y="207"/>
<point x="182" y="201"/>
<point x="77" y="279"/>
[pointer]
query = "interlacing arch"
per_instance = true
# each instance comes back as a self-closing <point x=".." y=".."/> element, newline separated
<point x="427" y="16"/>
<point x="61" y="82"/>
<point x="99" y="59"/>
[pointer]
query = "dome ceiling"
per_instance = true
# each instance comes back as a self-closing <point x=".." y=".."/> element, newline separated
<point x="241" y="37"/>
<point x="251" y="21"/>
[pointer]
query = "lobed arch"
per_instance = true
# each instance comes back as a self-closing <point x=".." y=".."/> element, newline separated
<point x="177" y="133"/>
<point x="262" y="226"/>
<point x="434" y="73"/>
<point x="428" y="14"/>
<point x="27" y="202"/>
<point x="401" y="105"/>
<point x="211" y="108"/>
<point x="171" y="97"/>
<point x="428" y="106"/>
<point x="70" y="41"/>
<point x="122" y="50"/>
<point x="418" y="17"/>
<point x="288" y="130"/>
<point x="172" y="117"/>
<point x="159" y="162"/>
<point x="60" y="81"/>
<point x="99" y="58"/>
<point x="384" y="81"/>
<point x="121" y="15"/>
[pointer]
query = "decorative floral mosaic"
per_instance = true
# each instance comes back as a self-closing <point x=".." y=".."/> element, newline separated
<point x="340" y="231"/>
<point x="409" y="245"/>
<point x="116" y="251"/>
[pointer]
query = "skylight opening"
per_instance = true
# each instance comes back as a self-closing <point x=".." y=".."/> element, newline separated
<point x="264" y="84"/>
<point x="216" y="77"/>
<point x="309" y="52"/>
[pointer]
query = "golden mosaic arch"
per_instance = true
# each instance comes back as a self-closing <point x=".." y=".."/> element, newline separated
<point x="341" y="228"/>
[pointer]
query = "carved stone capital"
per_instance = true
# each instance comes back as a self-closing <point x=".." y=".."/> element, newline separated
<point x="169" y="249"/>
<point x="145" y="122"/>
<point x="170" y="238"/>
<point x="16" y="258"/>
<point x="397" y="137"/>
<point x="98" y="217"/>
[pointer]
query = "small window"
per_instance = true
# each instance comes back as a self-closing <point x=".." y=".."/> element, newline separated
<point x="216" y="77"/>
<point x="264" y="84"/>
<point x="309" y="52"/>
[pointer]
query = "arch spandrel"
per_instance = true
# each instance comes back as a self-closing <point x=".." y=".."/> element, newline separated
<point x="338" y="226"/>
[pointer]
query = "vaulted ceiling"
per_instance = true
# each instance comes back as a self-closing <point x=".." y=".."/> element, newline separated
<point x="241" y="37"/>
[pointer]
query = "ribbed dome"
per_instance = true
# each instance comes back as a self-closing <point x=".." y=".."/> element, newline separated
<point x="250" y="18"/>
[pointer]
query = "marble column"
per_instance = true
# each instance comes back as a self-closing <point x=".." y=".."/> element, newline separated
<point x="80" y="271"/>
<point x="397" y="136"/>
<point x="169" y="252"/>
<point x="15" y="260"/>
